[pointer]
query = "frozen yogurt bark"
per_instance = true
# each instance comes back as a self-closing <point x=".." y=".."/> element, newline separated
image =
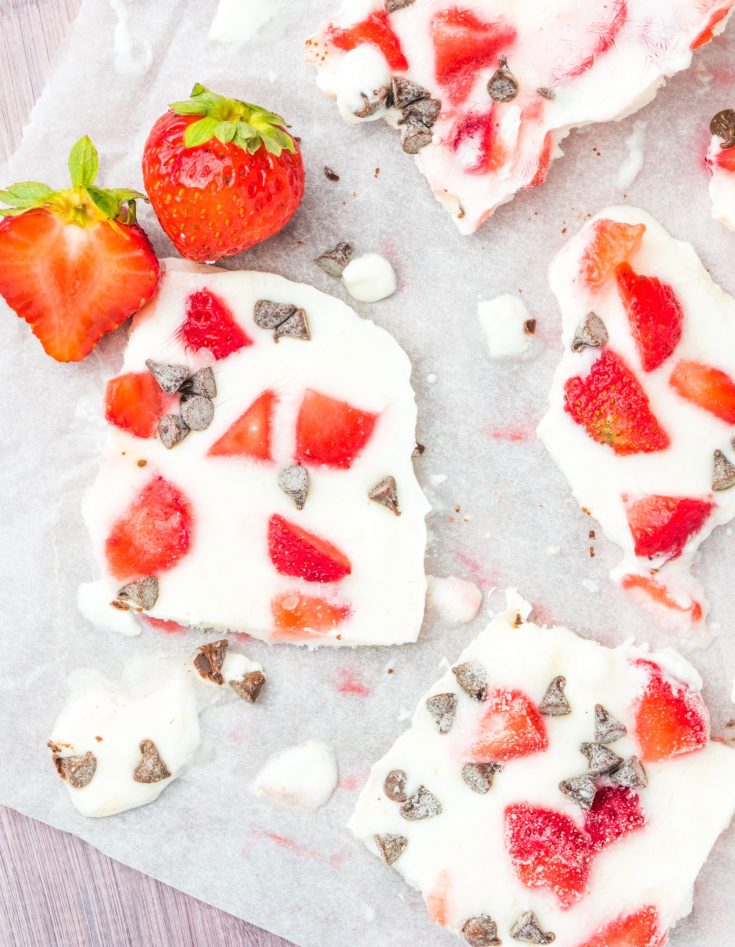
<point x="535" y="797"/>
<point x="258" y="471"/>
<point x="642" y="406"/>
<point x="721" y="164"/>
<point x="484" y="91"/>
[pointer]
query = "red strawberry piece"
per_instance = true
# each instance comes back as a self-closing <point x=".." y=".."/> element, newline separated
<point x="660" y="596"/>
<point x="612" y="243"/>
<point x="331" y="432"/>
<point x="634" y="930"/>
<point x="511" y="727"/>
<point x="167" y="627"/>
<point x="662" y="526"/>
<point x="655" y="315"/>
<point x="250" y="435"/>
<point x="134" y="402"/>
<point x="375" y="30"/>
<point x="548" y="851"/>
<point x="605" y="31"/>
<point x="671" y="719"/>
<point x="153" y="535"/>
<point x="475" y="139"/>
<point x="707" y="387"/>
<point x="613" y="408"/>
<point x="222" y="175"/>
<point x="726" y="159"/>
<point x="73" y="263"/>
<point x="615" y="812"/>
<point x="544" y="162"/>
<point x="463" y="46"/>
<point x="294" y="551"/>
<point x="299" y="617"/>
<point x="710" y="30"/>
<point x="209" y="324"/>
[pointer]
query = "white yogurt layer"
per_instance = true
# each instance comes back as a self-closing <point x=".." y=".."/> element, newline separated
<point x="455" y="600"/>
<point x="721" y="186"/>
<point x="505" y="326"/>
<point x="300" y="777"/>
<point x="369" y="278"/>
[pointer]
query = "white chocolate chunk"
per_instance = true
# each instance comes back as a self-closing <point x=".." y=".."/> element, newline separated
<point x="369" y="278"/>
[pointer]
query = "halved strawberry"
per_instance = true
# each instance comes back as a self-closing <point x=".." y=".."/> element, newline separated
<point x="615" y="812"/>
<point x="294" y="551"/>
<point x="612" y="243"/>
<point x="209" y="324"/>
<point x="634" y="930"/>
<point x="709" y="388"/>
<point x="134" y="402"/>
<point x="298" y="616"/>
<point x="331" y="432"/>
<point x="250" y="435"/>
<point x="662" y="526"/>
<point x="655" y="315"/>
<point x="613" y="408"/>
<point x="153" y="535"/>
<point x="511" y="727"/>
<point x="463" y="46"/>
<point x="376" y="31"/>
<point x="548" y="851"/>
<point x="671" y="719"/>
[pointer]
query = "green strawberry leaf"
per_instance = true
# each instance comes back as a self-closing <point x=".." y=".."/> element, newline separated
<point x="83" y="163"/>
<point x="104" y="200"/>
<point x="26" y="194"/>
<point x="124" y="195"/>
<point x="225" y="132"/>
<point x="200" y="132"/>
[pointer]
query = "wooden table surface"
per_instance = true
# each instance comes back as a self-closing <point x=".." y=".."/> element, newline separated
<point x="55" y="890"/>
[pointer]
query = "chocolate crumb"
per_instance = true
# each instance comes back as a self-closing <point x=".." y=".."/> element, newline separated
<point x="76" y="770"/>
<point x="479" y="776"/>
<point x="120" y="606"/>
<point x="392" y="5"/>
<point x="405" y="92"/>
<point x="723" y="126"/>
<point x="480" y="931"/>
<point x="418" y="450"/>
<point x="592" y="534"/>
<point x="443" y="709"/>
<point x="630" y="774"/>
<point x="391" y="847"/>
<point x="554" y="702"/>
<point x="329" y="174"/>
<point x="249" y="686"/>
<point x="172" y="428"/>
<point x="270" y="315"/>
<point x="528" y="929"/>
<point x="335" y="260"/>
<point x="529" y="326"/>
<point x="169" y="377"/>
<point x="608" y="729"/>
<point x="395" y="785"/>
<point x="415" y="137"/>
<point x="141" y="594"/>
<point x="386" y="494"/>
<point x="421" y="805"/>
<point x="518" y="620"/>
<point x="197" y="412"/>
<point x="201" y="383"/>
<point x="294" y="481"/>
<point x="472" y="678"/>
<point x="295" y="327"/>
<point x="151" y="768"/>
<point x="503" y="85"/>
<point x="601" y="760"/>
<point x="723" y="472"/>
<point x="581" y="789"/>
<point x="591" y="333"/>
<point x="141" y="463"/>
<point x="546" y="93"/>
<point x="209" y="659"/>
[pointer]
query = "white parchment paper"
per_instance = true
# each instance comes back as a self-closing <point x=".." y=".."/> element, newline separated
<point x="503" y="514"/>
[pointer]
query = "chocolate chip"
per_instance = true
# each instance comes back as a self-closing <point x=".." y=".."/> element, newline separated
<point x="480" y="931"/>
<point x="151" y="768"/>
<point x="723" y="472"/>
<point x="76" y="770"/>
<point x="600" y="759"/>
<point x="591" y="333"/>
<point x="172" y="428"/>
<point x="392" y="5"/>
<point x="479" y="776"/>
<point x="295" y="327"/>
<point x="395" y="785"/>
<point x="418" y="450"/>
<point x="143" y="593"/>
<point x="472" y="678"/>
<point x="209" y="659"/>
<point x="330" y="175"/>
<point x="630" y="774"/>
<point x="581" y="789"/>
<point x="424" y="111"/>
<point x="503" y="85"/>
<point x="294" y="481"/>
<point x="529" y="326"/>
<point x="554" y="702"/>
<point x="335" y="260"/>
<point x="201" y="383"/>
<point x="421" y="805"/>
<point x="528" y="929"/>
<point x="197" y="412"/>
<point x="391" y="846"/>
<point x="608" y="729"/>
<point x="546" y="93"/>
<point x="249" y="686"/>
<point x="723" y="125"/>
<point x="372" y="103"/>
<point x="415" y="136"/>
<point x="269" y="314"/>
<point x="386" y="494"/>
<point x="169" y="377"/>
<point x="443" y="709"/>
<point x="406" y="91"/>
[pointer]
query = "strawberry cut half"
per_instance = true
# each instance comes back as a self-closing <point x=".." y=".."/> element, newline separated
<point x="251" y="434"/>
<point x="209" y="324"/>
<point x="511" y="727"/>
<point x="375" y="30"/>
<point x="331" y="432"/>
<point x="662" y="526"/>
<point x="296" y="552"/>
<point x="613" y="408"/>
<point x="300" y="617"/>
<point x="707" y="387"/>
<point x="548" y="851"/>
<point x="634" y="930"/>
<point x="670" y="720"/>
<point x="134" y="402"/>
<point x="615" y="812"/>
<point x="154" y="534"/>
<point x="464" y="45"/>
<point x="612" y="244"/>
<point x="656" y="317"/>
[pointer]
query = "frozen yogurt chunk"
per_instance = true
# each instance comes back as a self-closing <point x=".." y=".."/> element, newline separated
<point x="258" y="475"/>
<point x="484" y="91"/>
<point x="537" y="792"/>
<point x="301" y="777"/>
<point x="642" y="406"/>
<point x="721" y="164"/>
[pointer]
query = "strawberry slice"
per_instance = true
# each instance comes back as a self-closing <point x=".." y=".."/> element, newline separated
<point x="294" y="551"/>
<point x="511" y="727"/>
<point x="154" y="534"/>
<point x="376" y="31"/>
<point x="634" y="930"/>
<point x="464" y="45"/>
<point x="331" y="432"/>
<point x="612" y="243"/>
<point x="210" y="324"/>
<point x="548" y="851"/>
<point x="298" y="617"/>
<point x="134" y="402"/>
<point x="660" y="596"/>
<point x="656" y="317"/>
<point x="251" y="434"/>
<point x="615" y="812"/>
<point x="707" y="387"/>
<point x="671" y="720"/>
<point x="662" y="526"/>
<point x="613" y="408"/>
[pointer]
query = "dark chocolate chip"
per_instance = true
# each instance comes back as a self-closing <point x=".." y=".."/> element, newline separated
<point x="608" y="729"/>
<point x="295" y="327"/>
<point x="581" y="789"/>
<point x="269" y="314"/>
<point x="197" y="412"/>
<point x="329" y="174"/>
<point x="151" y="768"/>
<point x="546" y="93"/>
<point x="249" y="686"/>
<point x="528" y="929"/>
<point x="630" y="774"/>
<point x="372" y="103"/>
<point x="142" y="593"/>
<point x="391" y="846"/>
<point x="529" y="326"/>
<point x="172" y="428"/>
<point x="415" y="137"/>
<point x="443" y="709"/>
<point x="479" y="776"/>
<point x="201" y="383"/>
<point x="723" y="472"/>
<point x="424" y="111"/>
<point x="169" y="377"/>
<point x="209" y="659"/>
<point x="600" y="759"/>
<point x="406" y="91"/>
<point x="392" y="5"/>
<point x="418" y="450"/>
<point x="76" y="770"/>
<point x="294" y="481"/>
<point x="554" y="702"/>
<point x="395" y="785"/>
<point x="591" y="333"/>
<point x="335" y="260"/>
<point x="480" y="931"/>
<point x="723" y="125"/>
<point x="472" y="678"/>
<point x="386" y="494"/>
<point x="421" y="805"/>
<point x="503" y="85"/>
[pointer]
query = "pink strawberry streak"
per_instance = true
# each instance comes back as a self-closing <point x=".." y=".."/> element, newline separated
<point x="349" y="683"/>
<point x="282" y="841"/>
<point x="484" y="576"/>
<point x="351" y="783"/>
<point x="607" y="32"/>
<point x="516" y="435"/>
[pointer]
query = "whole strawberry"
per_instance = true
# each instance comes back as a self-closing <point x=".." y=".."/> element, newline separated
<point x="221" y="175"/>
<point x="73" y="263"/>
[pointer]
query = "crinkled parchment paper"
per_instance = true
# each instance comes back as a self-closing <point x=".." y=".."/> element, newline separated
<point x="502" y="512"/>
